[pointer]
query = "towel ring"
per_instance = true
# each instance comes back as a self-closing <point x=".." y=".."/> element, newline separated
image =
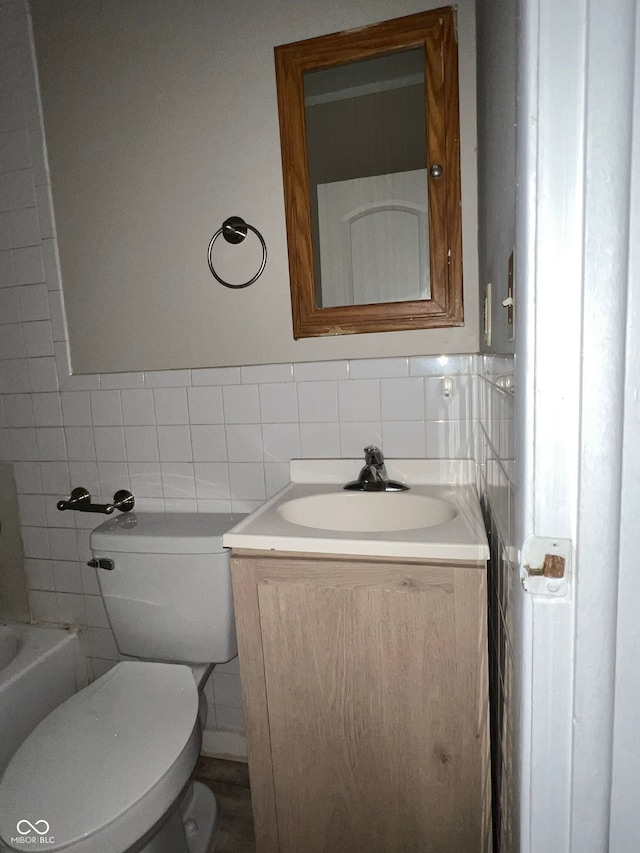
<point x="234" y="230"/>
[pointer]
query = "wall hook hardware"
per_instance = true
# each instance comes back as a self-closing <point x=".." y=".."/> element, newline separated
<point x="80" y="500"/>
<point x="234" y="230"/>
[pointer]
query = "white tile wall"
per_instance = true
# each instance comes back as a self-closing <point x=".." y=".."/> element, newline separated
<point x="495" y="453"/>
<point x="215" y="440"/>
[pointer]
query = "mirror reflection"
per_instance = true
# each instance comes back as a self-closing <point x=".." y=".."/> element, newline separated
<point x="367" y="166"/>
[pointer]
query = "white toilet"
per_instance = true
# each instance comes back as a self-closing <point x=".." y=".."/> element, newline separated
<point x="110" y="770"/>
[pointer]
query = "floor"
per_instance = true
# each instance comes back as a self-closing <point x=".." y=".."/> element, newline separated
<point x="229" y="781"/>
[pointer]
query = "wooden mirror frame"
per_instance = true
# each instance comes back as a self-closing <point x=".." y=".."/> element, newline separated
<point x="435" y="31"/>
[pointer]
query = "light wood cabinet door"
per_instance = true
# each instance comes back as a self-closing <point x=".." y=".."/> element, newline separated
<point x="366" y="701"/>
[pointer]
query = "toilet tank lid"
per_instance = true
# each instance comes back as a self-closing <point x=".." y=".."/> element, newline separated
<point x="164" y="532"/>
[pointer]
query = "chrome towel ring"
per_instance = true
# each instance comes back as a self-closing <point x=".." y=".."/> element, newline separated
<point x="234" y="230"/>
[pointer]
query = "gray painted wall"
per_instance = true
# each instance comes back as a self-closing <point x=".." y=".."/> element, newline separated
<point x="496" y="62"/>
<point x="161" y="121"/>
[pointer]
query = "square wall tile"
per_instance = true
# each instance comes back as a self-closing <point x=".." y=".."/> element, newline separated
<point x="101" y="643"/>
<point x="34" y="302"/>
<point x="38" y="338"/>
<point x="171" y="405"/>
<point x="25" y="227"/>
<point x="246" y="480"/>
<point x="32" y="512"/>
<point x="76" y="408"/>
<point x="138" y="407"/>
<point x="67" y="576"/>
<point x="180" y="505"/>
<point x="278" y="403"/>
<point x="63" y="544"/>
<point x="227" y="689"/>
<point x="12" y="341"/>
<point x="15" y="152"/>
<point x="402" y="399"/>
<point x="448" y="397"/>
<point x="178" y="480"/>
<point x="404" y="439"/>
<point x="359" y="400"/>
<point x="7" y="273"/>
<point x="145" y="479"/>
<point x="318" y="402"/>
<point x="205" y="405"/>
<point x="212" y="480"/>
<point x="28" y="478"/>
<point x="141" y="443"/>
<point x="209" y="443"/>
<point x="44" y="606"/>
<point x="109" y="443"/>
<point x="95" y="611"/>
<point x="354" y="437"/>
<point x="319" y="440"/>
<point x="18" y="410"/>
<point x="51" y="444"/>
<point x="81" y="446"/>
<point x="14" y="376"/>
<point x="23" y="444"/>
<point x="281" y="442"/>
<point x="54" y="517"/>
<point x="89" y="576"/>
<point x="449" y="440"/>
<point x="9" y="305"/>
<point x="276" y="476"/>
<point x="40" y="575"/>
<point x="55" y="478"/>
<point x="46" y="409"/>
<point x="229" y="718"/>
<point x="112" y="476"/>
<point x="84" y="473"/>
<point x="174" y="443"/>
<point x="106" y="408"/>
<point x="244" y="442"/>
<point x="45" y="208"/>
<point x="19" y="189"/>
<point x="36" y="543"/>
<point x="43" y="375"/>
<point x="241" y="404"/>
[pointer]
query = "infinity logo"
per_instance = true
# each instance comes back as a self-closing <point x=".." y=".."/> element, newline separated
<point x="32" y="827"/>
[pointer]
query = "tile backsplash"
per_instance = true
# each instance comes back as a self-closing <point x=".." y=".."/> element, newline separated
<point x="496" y="457"/>
<point x="211" y="440"/>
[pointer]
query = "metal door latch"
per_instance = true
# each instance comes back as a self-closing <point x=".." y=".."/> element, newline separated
<point x="545" y="565"/>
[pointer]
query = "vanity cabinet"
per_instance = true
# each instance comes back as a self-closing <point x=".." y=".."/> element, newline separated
<point x="366" y="702"/>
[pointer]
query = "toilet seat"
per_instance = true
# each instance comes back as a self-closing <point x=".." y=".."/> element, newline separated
<point x="105" y="766"/>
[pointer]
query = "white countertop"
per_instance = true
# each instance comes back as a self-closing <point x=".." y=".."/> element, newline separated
<point x="461" y="538"/>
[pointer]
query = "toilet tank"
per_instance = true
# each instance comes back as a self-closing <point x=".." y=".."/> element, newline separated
<point x="168" y="596"/>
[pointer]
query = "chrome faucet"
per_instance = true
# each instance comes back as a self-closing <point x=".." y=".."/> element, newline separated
<point x="373" y="476"/>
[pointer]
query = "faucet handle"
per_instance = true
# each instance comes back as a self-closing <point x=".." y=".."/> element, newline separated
<point x="373" y="455"/>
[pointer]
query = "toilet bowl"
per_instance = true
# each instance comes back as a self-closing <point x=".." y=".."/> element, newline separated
<point x="75" y="772"/>
<point x="110" y="770"/>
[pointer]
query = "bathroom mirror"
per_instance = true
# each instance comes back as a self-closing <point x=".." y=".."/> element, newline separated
<point x="370" y="140"/>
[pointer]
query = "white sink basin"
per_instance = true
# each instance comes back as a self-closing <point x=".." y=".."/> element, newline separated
<point x="439" y="518"/>
<point x="367" y="511"/>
